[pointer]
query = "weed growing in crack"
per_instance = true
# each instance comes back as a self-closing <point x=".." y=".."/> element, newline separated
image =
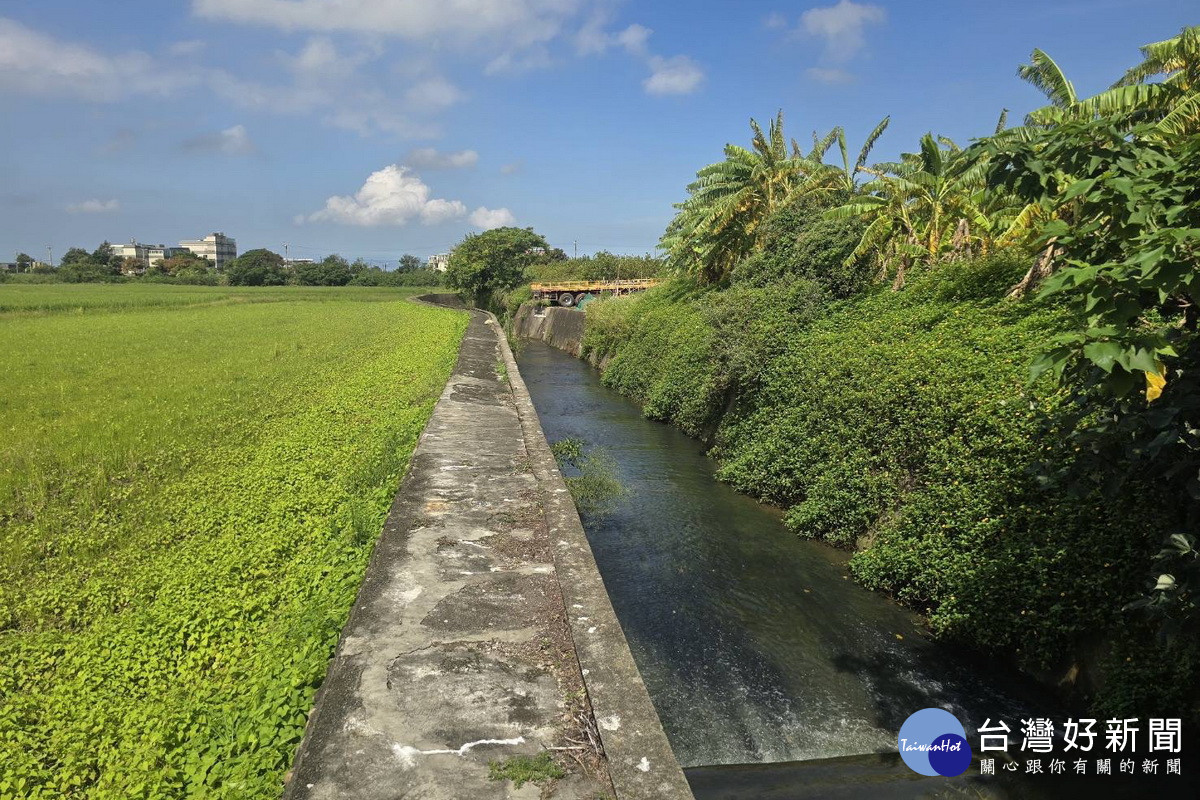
<point x="524" y="769"/>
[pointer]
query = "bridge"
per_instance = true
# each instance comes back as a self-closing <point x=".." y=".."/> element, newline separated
<point x="568" y="293"/>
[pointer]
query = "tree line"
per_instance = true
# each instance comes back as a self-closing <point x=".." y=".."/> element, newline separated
<point x="259" y="267"/>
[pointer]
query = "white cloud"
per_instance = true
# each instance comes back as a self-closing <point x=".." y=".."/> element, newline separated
<point x="488" y="218"/>
<point x="510" y="169"/>
<point x="775" y="21"/>
<point x="233" y="141"/>
<point x="95" y="207"/>
<point x="438" y="210"/>
<point x="517" y="22"/>
<point x="634" y="38"/>
<point x="327" y="82"/>
<point x="394" y="195"/>
<point x="841" y="26"/>
<point x="830" y="75"/>
<point x="33" y="63"/>
<point x="433" y="93"/>
<point x="318" y="56"/>
<point x="429" y="158"/>
<point x="593" y="39"/>
<point x="323" y="82"/>
<point x="677" y="75"/>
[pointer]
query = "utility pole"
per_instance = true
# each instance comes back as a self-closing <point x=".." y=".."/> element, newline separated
<point x="577" y="248"/>
<point x="49" y="257"/>
<point x="286" y="260"/>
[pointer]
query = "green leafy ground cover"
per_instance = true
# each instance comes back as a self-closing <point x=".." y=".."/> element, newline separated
<point x="901" y="425"/>
<point x="189" y="496"/>
<point x="109" y="297"/>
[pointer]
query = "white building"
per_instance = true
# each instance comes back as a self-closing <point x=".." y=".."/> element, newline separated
<point x="216" y="247"/>
<point x="439" y="262"/>
<point x="145" y="254"/>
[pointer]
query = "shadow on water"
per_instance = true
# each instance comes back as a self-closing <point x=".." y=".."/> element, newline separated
<point x="755" y="645"/>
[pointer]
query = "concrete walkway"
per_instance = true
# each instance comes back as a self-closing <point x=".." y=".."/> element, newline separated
<point x="458" y="651"/>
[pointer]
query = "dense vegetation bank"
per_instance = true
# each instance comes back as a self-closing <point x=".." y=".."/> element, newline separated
<point x="901" y="425"/>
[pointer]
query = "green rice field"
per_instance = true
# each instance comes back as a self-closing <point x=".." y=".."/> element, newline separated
<point x="191" y="481"/>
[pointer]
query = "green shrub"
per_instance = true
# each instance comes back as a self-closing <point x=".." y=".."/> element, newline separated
<point x="684" y="353"/>
<point x="504" y="304"/>
<point x="800" y="243"/>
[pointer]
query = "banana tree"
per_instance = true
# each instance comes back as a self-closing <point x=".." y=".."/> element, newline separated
<point x="1172" y="103"/>
<point x="921" y="209"/>
<point x="825" y="178"/>
<point x="1043" y="72"/>
<point x="721" y="220"/>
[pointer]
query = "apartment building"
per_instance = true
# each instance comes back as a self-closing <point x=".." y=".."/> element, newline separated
<point x="216" y="247"/>
<point x="439" y="262"/>
<point x="145" y="254"/>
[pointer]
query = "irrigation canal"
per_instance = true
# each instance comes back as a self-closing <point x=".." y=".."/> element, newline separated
<point x="773" y="673"/>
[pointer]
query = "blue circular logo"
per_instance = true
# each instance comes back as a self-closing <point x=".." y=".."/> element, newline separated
<point x="933" y="742"/>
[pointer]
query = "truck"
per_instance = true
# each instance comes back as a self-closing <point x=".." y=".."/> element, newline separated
<point x="568" y="294"/>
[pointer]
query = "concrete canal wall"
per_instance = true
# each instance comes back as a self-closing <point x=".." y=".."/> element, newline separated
<point x="558" y="327"/>
<point x="482" y="629"/>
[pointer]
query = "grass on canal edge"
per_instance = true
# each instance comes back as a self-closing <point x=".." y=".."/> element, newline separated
<point x="526" y="769"/>
<point x="191" y="487"/>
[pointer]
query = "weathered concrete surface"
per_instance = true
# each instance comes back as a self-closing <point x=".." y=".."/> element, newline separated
<point x="559" y="327"/>
<point x="640" y="761"/>
<point x="457" y="651"/>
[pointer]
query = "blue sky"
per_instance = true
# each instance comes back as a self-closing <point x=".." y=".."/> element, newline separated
<point x="377" y="127"/>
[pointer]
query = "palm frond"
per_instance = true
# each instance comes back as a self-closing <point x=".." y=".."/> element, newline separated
<point x="869" y="144"/>
<point x="1002" y="122"/>
<point x="1183" y="119"/>
<point x="1167" y="56"/>
<point x="1144" y="98"/>
<point x="1046" y="75"/>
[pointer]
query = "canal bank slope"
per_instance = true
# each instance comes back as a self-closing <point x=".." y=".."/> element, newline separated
<point x="557" y="327"/>
<point x="458" y="651"/>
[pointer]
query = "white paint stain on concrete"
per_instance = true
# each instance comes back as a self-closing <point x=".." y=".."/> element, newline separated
<point x="612" y="723"/>
<point x="408" y="755"/>
<point x="644" y="764"/>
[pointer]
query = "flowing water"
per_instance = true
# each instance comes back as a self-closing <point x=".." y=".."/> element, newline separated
<point x="755" y="645"/>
